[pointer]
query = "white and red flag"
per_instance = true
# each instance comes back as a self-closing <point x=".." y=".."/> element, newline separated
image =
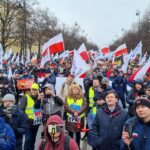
<point x="54" y="45"/>
<point x="45" y="58"/>
<point x="83" y="52"/>
<point x="139" y="74"/>
<point x="122" y="49"/>
<point x="79" y="66"/>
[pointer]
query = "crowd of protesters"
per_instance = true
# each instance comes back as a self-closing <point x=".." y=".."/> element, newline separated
<point x="112" y="110"/>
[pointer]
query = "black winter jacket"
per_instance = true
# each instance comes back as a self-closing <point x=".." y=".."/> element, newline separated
<point x="107" y="128"/>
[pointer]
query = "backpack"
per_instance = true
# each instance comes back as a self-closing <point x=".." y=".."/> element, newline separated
<point x="66" y="143"/>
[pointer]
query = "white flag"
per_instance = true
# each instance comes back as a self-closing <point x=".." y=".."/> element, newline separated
<point x="79" y="66"/>
<point x="9" y="73"/>
<point x="17" y="60"/>
<point x="13" y="58"/>
<point x="45" y="59"/>
<point x="64" y="54"/>
<point x="140" y="74"/>
<point x="22" y="60"/>
<point x="1" y="56"/>
<point x="136" y="51"/>
<point x="8" y="54"/>
<point x="143" y="60"/>
<point x="56" y="56"/>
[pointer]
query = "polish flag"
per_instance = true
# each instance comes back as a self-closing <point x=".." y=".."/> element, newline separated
<point x="34" y="59"/>
<point x="139" y="74"/>
<point x="79" y="66"/>
<point x="83" y="52"/>
<point x="122" y="49"/>
<point x="71" y="53"/>
<point x="105" y="50"/>
<point x="54" y="45"/>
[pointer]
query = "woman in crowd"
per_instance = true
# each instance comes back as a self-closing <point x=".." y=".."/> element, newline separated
<point x="75" y="107"/>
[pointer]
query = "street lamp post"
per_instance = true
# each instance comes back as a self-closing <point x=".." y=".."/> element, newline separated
<point x="25" y="28"/>
<point x="138" y="13"/>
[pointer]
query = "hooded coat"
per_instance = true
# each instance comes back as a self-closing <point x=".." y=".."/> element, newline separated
<point x="60" y="144"/>
<point x="132" y="96"/>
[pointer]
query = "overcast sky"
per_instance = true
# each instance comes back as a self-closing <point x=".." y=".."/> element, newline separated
<point x="102" y="20"/>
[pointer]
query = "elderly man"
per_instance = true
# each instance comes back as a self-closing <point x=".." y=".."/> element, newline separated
<point x="14" y="117"/>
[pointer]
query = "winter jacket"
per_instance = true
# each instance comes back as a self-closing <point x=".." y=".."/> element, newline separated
<point x="60" y="144"/>
<point x="142" y="141"/>
<point x="18" y="124"/>
<point x="51" y="79"/>
<point x="23" y="104"/>
<point x="72" y="126"/>
<point x="120" y="86"/>
<point x="7" y="136"/>
<point x="131" y="98"/>
<point x="3" y="82"/>
<point x="107" y="128"/>
<point x="51" y="106"/>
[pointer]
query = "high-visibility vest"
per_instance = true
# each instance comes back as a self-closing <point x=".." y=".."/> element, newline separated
<point x="91" y="96"/>
<point x="30" y="107"/>
<point x="94" y="110"/>
<point x="75" y="105"/>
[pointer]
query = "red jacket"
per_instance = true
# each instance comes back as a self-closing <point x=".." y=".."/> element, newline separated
<point x="60" y="144"/>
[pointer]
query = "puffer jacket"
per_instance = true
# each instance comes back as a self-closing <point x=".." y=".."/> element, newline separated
<point x="107" y="128"/>
<point x="142" y="141"/>
<point x="7" y="136"/>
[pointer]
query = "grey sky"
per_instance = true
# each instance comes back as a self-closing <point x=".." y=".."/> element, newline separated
<point x="101" y="20"/>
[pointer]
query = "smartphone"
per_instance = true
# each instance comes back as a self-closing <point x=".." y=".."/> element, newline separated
<point x="129" y="129"/>
<point x="52" y="129"/>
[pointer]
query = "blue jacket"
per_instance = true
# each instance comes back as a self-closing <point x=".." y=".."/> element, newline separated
<point x="18" y="124"/>
<point x="107" y="129"/>
<point x="142" y="142"/>
<point x="51" y="79"/>
<point x="7" y="136"/>
<point x="120" y="86"/>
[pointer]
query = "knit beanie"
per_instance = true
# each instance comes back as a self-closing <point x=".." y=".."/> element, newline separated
<point x="9" y="97"/>
<point x="142" y="101"/>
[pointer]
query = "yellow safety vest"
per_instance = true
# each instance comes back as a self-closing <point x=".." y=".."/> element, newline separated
<point x="30" y="107"/>
<point x="76" y="105"/>
<point x="91" y="96"/>
<point x="94" y="110"/>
